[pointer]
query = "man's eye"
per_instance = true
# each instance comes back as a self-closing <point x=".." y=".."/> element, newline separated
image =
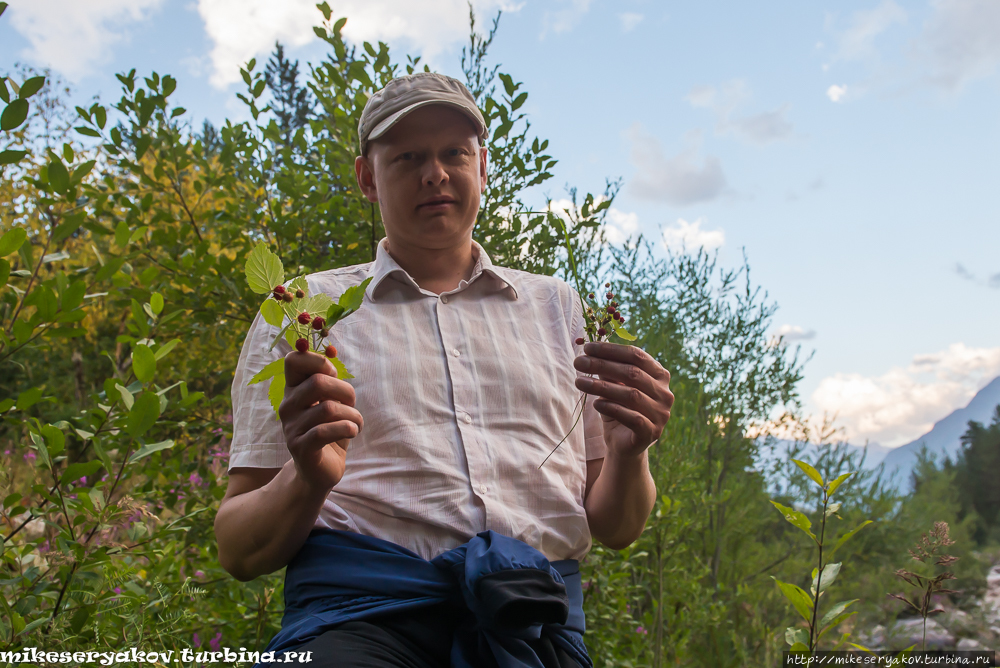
<point x="406" y="156"/>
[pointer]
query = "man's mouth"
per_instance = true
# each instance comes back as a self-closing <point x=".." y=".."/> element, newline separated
<point x="436" y="202"/>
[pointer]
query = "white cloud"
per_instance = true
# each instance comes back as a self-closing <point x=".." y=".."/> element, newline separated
<point x="243" y="29"/>
<point x="760" y="128"/>
<point x="618" y="224"/>
<point x="685" y="178"/>
<point x="630" y="20"/>
<point x="836" y="93"/>
<point x="564" y="20"/>
<point x="960" y="42"/>
<point x="857" y="42"/>
<point x="71" y="36"/>
<point x="904" y="403"/>
<point x="685" y="235"/>
<point x="795" y="333"/>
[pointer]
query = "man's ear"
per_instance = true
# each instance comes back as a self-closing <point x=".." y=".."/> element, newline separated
<point x="366" y="177"/>
<point x="483" y="171"/>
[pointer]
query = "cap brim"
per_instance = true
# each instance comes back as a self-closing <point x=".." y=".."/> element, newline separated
<point x="389" y="122"/>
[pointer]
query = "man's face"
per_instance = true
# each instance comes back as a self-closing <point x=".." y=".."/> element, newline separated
<point x="426" y="174"/>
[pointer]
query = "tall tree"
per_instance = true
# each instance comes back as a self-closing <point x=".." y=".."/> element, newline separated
<point x="291" y="102"/>
<point x="975" y="476"/>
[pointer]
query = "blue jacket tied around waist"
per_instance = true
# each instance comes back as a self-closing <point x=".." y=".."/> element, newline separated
<point x="513" y="592"/>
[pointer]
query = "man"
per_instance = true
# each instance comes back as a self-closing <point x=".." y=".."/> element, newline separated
<point x="377" y="492"/>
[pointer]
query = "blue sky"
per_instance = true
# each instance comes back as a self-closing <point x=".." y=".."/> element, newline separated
<point x="852" y="149"/>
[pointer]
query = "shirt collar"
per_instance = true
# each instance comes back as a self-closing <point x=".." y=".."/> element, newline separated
<point x="385" y="266"/>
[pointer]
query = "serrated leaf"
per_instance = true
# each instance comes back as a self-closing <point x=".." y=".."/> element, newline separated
<point x="354" y="296"/>
<point x="797" y="597"/>
<point x="810" y="471"/>
<point x="143" y="414"/>
<point x="333" y="314"/>
<point x="316" y="304"/>
<point x="299" y="283"/>
<point x="270" y="371"/>
<point x="276" y="391"/>
<point x="342" y="372"/>
<point x="143" y="363"/>
<point x="272" y="313"/>
<point x="795" y="518"/>
<point x="263" y="270"/>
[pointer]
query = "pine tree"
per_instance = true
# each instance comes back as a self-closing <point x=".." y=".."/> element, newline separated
<point x="975" y="475"/>
<point x="292" y="104"/>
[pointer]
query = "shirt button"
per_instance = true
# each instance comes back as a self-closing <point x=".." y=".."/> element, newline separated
<point x="444" y="300"/>
<point x="454" y="351"/>
<point x="467" y="418"/>
<point x="483" y="489"/>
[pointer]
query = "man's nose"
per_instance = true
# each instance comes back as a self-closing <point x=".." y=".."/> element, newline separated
<point x="434" y="172"/>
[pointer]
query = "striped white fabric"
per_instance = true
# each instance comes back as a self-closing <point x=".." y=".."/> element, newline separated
<point x="463" y="395"/>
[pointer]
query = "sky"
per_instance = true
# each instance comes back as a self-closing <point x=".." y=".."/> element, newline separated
<point x="850" y="149"/>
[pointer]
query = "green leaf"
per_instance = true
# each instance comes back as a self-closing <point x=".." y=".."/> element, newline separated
<point x="810" y="471"/>
<point x="838" y="481"/>
<point x="794" y="636"/>
<point x="58" y="176"/>
<point x="142" y="145"/>
<point x="76" y="471"/>
<point x="72" y="296"/>
<point x="277" y="367"/>
<point x="830" y="572"/>
<point x="276" y="392"/>
<point x="333" y="314"/>
<point x="102" y="455"/>
<point x="143" y="414"/>
<point x="10" y="156"/>
<point x="42" y="449"/>
<point x="796" y="519"/>
<point x="354" y="296"/>
<point x="325" y="8"/>
<point x="55" y="440"/>
<point x="156" y="302"/>
<point x="143" y="363"/>
<point x="622" y="332"/>
<point x="121" y="234"/>
<point x="30" y="87"/>
<point x="798" y="647"/>
<point x="847" y="536"/>
<point x="127" y="398"/>
<point x="798" y="597"/>
<point x="12" y="240"/>
<point x="280" y="334"/>
<point x="315" y="304"/>
<point x="272" y="312"/>
<point x="29" y="398"/>
<point x="149" y="449"/>
<point x="832" y="509"/>
<point x="835" y="612"/>
<point x="165" y="349"/>
<point x="342" y="372"/>
<point x="264" y="270"/>
<point x="14" y="114"/>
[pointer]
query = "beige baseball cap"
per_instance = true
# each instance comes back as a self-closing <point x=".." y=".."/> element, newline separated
<point x="405" y="94"/>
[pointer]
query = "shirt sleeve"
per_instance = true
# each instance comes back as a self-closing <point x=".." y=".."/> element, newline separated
<point x="258" y="440"/>
<point x="593" y="425"/>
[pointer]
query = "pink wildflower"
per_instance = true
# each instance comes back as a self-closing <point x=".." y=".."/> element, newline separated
<point x="214" y="642"/>
<point x="29" y="456"/>
<point x="199" y="574"/>
<point x="196" y="641"/>
<point x="642" y="631"/>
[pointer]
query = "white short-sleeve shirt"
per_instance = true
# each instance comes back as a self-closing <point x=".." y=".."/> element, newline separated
<point x="463" y="395"/>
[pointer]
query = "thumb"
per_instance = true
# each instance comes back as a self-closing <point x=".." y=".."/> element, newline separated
<point x="300" y="366"/>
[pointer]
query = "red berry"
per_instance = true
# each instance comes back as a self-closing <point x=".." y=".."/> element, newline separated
<point x="602" y="332"/>
<point x="318" y="323"/>
<point x="609" y="296"/>
<point x="330" y="351"/>
<point x="607" y="285"/>
<point x="302" y="345"/>
<point x="591" y="295"/>
<point x="287" y="297"/>
<point x="579" y="341"/>
<point x="277" y="297"/>
<point x="279" y="289"/>
<point x="622" y="320"/>
<point x="304" y="318"/>
<point x="299" y="294"/>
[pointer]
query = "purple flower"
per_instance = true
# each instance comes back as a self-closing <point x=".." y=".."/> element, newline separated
<point x="642" y="631"/>
<point x="118" y="590"/>
<point x="6" y="452"/>
<point x="214" y="642"/>
<point x="195" y="479"/>
<point x="29" y="456"/>
<point x="196" y="640"/>
<point x="199" y="574"/>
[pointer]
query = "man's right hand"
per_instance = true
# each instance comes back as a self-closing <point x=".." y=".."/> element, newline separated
<point x="318" y="418"/>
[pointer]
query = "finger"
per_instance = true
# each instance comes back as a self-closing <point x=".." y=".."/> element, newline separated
<point x="627" y="374"/>
<point x="626" y="354"/>
<point x="321" y="435"/>
<point x="328" y="412"/>
<point x="319" y="387"/>
<point x="644" y="430"/>
<point x="625" y="395"/>
<point x="300" y="366"/>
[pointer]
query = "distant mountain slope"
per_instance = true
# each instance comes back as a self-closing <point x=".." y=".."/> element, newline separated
<point x="779" y="451"/>
<point x="945" y="438"/>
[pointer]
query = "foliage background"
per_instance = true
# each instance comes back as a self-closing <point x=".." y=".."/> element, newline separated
<point x="123" y="311"/>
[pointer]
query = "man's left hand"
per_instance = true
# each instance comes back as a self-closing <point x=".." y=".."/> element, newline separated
<point x="632" y="393"/>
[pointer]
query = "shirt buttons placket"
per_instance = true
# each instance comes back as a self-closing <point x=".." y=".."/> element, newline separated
<point x="467" y="418"/>
<point x="444" y="300"/>
<point x="483" y="489"/>
<point x="454" y="351"/>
